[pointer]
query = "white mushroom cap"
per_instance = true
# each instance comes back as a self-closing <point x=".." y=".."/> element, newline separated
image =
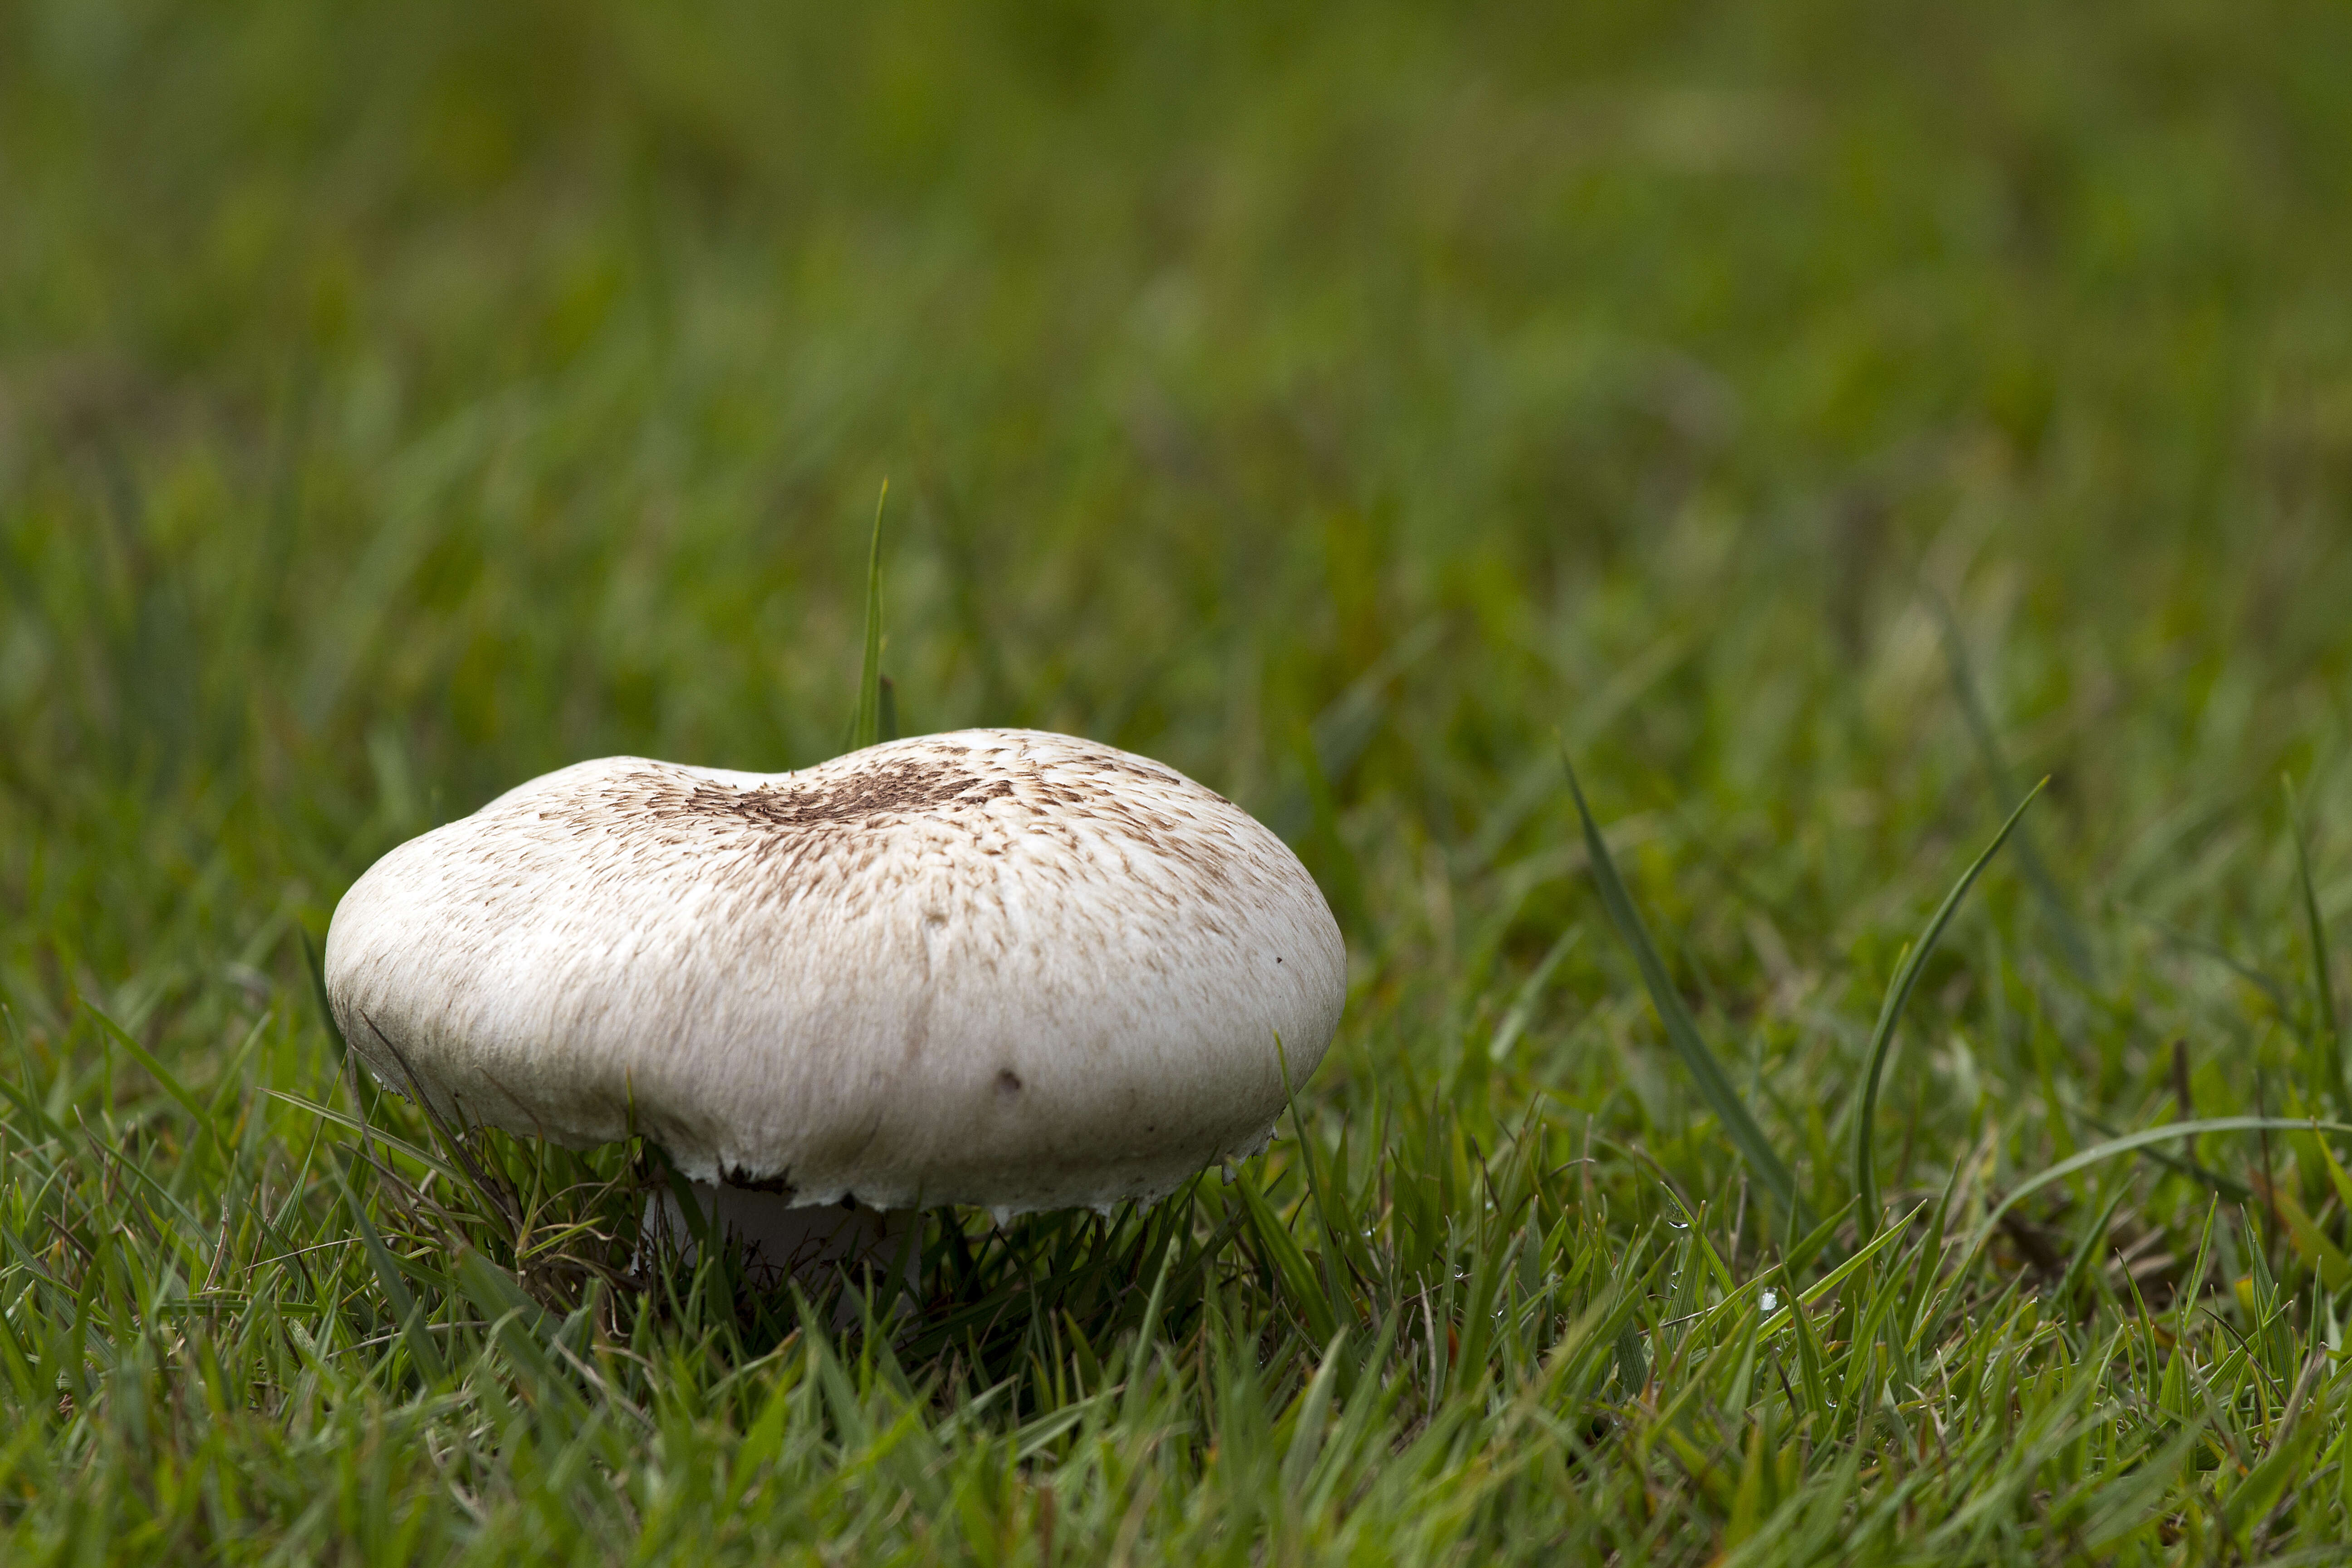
<point x="997" y="967"/>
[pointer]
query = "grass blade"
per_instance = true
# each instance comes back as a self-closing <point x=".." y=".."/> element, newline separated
<point x="1281" y="1249"/>
<point x="2125" y="1504"/>
<point x="404" y="1309"/>
<point x="164" y="1076"/>
<point x="1898" y="993"/>
<point x="350" y="1123"/>
<point x="2127" y="1144"/>
<point x="1706" y="1072"/>
<point x="866" y="729"/>
<point x="1340" y="1305"/>
<point x="2324" y="1026"/>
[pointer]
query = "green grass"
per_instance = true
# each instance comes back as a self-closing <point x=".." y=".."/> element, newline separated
<point x="1824" y="421"/>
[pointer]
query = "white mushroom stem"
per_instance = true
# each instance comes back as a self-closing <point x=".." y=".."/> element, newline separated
<point x="781" y="1241"/>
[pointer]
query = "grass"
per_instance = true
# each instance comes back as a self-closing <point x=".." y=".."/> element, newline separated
<point x="1821" y="420"/>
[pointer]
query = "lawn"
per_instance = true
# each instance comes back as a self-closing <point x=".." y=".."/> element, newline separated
<point x="1817" y="423"/>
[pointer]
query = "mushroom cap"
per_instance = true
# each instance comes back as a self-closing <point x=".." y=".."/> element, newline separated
<point x="997" y="967"/>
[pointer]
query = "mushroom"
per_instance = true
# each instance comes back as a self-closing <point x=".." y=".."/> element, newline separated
<point x="999" y="968"/>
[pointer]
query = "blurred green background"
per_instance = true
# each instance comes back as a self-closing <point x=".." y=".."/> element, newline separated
<point x="1828" y="416"/>
<point x="1825" y="418"/>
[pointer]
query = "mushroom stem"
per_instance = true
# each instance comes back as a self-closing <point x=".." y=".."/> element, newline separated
<point x="781" y="1241"/>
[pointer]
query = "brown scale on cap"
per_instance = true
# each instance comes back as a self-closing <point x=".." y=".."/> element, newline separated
<point x="899" y="788"/>
<point x="804" y="829"/>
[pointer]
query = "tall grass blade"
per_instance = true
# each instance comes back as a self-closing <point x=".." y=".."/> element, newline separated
<point x="1890" y="1013"/>
<point x="2326" y="1027"/>
<point x="866" y="729"/>
<point x="1706" y="1071"/>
